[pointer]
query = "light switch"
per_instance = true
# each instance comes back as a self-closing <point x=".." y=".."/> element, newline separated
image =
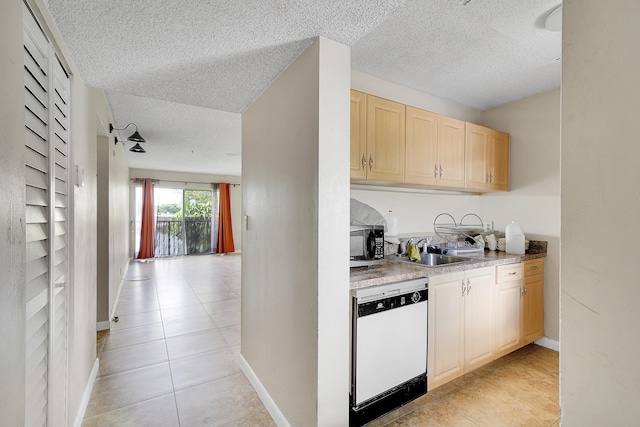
<point x="79" y="176"/>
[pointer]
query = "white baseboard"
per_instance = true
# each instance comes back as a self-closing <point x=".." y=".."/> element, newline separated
<point x="549" y="343"/>
<point x="84" y="403"/>
<point x="263" y="394"/>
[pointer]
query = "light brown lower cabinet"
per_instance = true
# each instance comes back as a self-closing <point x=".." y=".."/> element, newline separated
<point x="509" y="280"/>
<point x="519" y="305"/>
<point x="461" y="324"/>
<point x="480" y="315"/>
<point x="533" y="301"/>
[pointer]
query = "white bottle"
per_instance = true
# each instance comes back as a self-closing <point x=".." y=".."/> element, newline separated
<point x="515" y="239"/>
<point x="392" y="224"/>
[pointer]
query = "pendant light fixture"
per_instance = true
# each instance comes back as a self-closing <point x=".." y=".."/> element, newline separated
<point x="135" y="137"/>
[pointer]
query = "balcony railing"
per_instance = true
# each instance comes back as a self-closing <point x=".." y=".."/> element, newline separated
<point x="175" y="237"/>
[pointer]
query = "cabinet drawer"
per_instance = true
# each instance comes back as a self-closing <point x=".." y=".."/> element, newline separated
<point x="533" y="267"/>
<point x="509" y="273"/>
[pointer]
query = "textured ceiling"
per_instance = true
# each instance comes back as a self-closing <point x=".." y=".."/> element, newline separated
<point x="184" y="71"/>
<point x="482" y="54"/>
<point x="181" y="138"/>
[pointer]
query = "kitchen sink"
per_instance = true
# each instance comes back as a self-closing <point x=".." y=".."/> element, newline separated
<point x="436" y="260"/>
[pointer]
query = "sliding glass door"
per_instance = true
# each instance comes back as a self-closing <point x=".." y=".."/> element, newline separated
<point x="186" y="221"/>
<point x="169" y="222"/>
<point x="197" y="223"/>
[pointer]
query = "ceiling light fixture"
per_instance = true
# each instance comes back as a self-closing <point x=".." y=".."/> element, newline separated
<point x="553" y="21"/>
<point x="135" y="137"/>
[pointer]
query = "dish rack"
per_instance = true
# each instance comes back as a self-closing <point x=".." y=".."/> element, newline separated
<point x="460" y="236"/>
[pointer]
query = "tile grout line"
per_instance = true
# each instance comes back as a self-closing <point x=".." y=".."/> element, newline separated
<point x="166" y="349"/>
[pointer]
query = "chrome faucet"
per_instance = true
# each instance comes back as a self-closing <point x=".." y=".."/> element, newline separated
<point x="411" y="241"/>
<point x="415" y="241"/>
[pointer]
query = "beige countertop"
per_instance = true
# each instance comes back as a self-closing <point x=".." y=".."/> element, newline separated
<point x="393" y="270"/>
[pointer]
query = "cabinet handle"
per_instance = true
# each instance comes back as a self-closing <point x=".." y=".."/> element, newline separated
<point x="468" y="286"/>
<point x="513" y="273"/>
<point x="521" y="292"/>
<point x="440" y="171"/>
<point x="533" y="267"/>
<point x="525" y="292"/>
<point x="464" y="288"/>
<point x="435" y="170"/>
<point x="488" y="178"/>
<point x="364" y="161"/>
<point x="491" y="175"/>
<point x="370" y="163"/>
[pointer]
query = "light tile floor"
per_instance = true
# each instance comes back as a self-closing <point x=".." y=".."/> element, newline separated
<point x="519" y="389"/>
<point x="172" y="357"/>
<point x="172" y="360"/>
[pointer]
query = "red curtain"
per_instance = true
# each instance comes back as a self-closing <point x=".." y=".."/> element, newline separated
<point x="148" y="228"/>
<point x="225" y="233"/>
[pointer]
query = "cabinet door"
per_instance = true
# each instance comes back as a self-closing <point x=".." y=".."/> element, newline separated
<point x="508" y="317"/>
<point x="476" y="154"/>
<point x="385" y="139"/>
<point x="421" y="165"/>
<point x="451" y="146"/>
<point x="499" y="161"/>
<point x="533" y="309"/>
<point x="445" y="360"/>
<point x="479" y="324"/>
<point x="358" y="135"/>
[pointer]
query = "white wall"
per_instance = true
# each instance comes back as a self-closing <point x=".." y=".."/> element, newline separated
<point x="177" y="180"/>
<point x="85" y="103"/>
<point x="599" y="370"/>
<point x="12" y="217"/>
<point x="295" y="275"/>
<point x="533" y="199"/>
<point x="113" y="222"/>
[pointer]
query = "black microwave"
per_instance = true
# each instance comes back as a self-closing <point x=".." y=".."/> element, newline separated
<point x="367" y="245"/>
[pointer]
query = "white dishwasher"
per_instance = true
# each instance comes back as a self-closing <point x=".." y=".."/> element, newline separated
<point x="388" y="347"/>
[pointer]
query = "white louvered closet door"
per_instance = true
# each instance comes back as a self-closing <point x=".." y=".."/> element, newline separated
<point x="47" y="187"/>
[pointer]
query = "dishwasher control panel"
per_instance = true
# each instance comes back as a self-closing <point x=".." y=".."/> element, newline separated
<point x="388" y="297"/>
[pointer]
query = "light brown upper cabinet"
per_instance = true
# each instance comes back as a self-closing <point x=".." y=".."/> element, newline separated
<point x="377" y="138"/>
<point x="358" y="135"/>
<point x="422" y="147"/>
<point x="499" y="165"/>
<point x="451" y="146"/>
<point x="435" y="149"/>
<point x="397" y="144"/>
<point x="486" y="159"/>
<point x="385" y="139"/>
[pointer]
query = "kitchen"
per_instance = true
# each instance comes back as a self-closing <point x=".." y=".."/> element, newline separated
<point x="416" y="210"/>
<point x="533" y="199"/>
